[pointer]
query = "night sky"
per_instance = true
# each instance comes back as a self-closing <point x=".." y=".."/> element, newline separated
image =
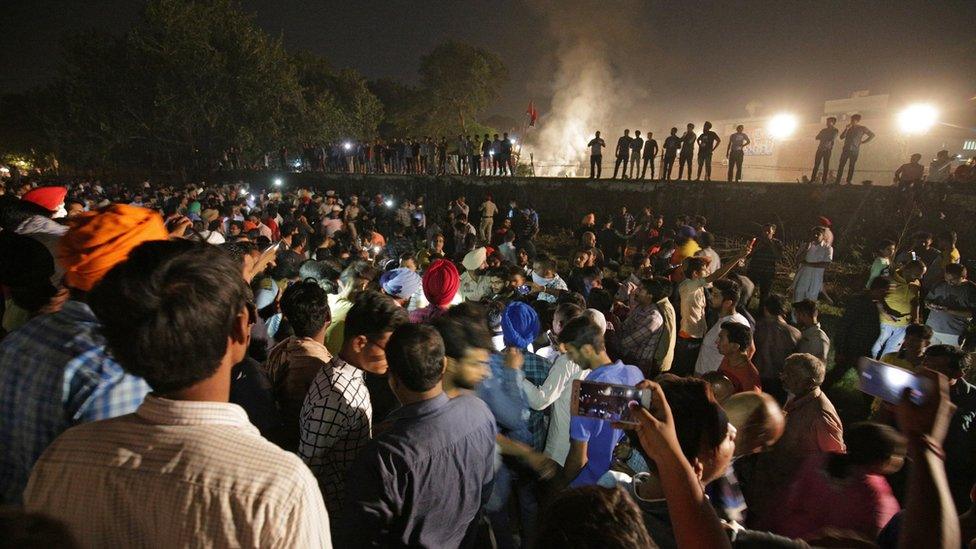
<point x="688" y="59"/>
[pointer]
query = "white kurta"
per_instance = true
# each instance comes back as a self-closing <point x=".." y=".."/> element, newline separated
<point x="809" y="280"/>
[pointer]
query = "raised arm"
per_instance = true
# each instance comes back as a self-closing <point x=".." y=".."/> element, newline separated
<point x="541" y="397"/>
<point x="727" y="266"/>
<point x="692" y="516"/>
<point x="930" y="516"/>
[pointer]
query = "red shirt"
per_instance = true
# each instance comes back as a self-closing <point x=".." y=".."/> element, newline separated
<point x="743" y="379"/>
<point x="862" y="503"/>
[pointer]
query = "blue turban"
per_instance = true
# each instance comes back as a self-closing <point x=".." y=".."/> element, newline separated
<point x="520" y="325"/>
<point x="400" y="283"/>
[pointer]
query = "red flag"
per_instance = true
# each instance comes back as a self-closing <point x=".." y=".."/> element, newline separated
<point x="533" y="114"/>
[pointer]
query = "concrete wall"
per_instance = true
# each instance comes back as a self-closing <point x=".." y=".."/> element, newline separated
<point x="861" y="214"/>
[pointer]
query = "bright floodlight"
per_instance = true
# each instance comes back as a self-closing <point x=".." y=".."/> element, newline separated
<point x="277" y="182"/>
<point x="917" y="118"/>
<point x="782" y="126"/>
<point x="347" y="145"/>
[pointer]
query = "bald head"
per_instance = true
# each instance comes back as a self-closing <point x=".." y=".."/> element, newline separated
<point x="758" y="419"/>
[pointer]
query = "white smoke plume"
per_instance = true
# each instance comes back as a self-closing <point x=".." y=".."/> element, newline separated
<point x="591" y="88"/>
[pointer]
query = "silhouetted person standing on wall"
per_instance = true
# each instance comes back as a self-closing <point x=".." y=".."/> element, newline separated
<point x="687" y="151"/>
<point x="496" y="156"/>
<point x="486" y="155"/>
<point x="636" y="144"/>
<point x="650" y="153"/>
<point x="854" y="135"/>
<point x="708" y="141"/>
<point x="596" y="146"/>
<point x="622" y="153"/>
<point x="738" y="141"/>
<point x="671" y="146"/>
<point x="825" y="139"/>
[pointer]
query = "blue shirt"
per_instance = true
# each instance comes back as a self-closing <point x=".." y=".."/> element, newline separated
<point x="421" y="482"/>
<point x="600" y="436"/>
<point x="502" y="392"/>
<point x="55" y="373"/>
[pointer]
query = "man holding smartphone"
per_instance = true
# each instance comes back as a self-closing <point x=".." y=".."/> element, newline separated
<point x="592" y="440"/>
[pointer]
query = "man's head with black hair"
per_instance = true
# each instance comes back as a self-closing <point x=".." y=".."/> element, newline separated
<point x="775" y="306"/>
<point x="593" y="516"/>
<point x="734" y="338"/>
<point x="806" y="313"/>
<point x="467" y="346"/>
<point x="357" y="275"/>
<point x="948" y="360"/>
<point x="583" y="341"/>
<point x="305" y="306"/>
<point x="175" y="313"/>
<point x="725" y="295"/>
<point x="367" y="328"/>
<point x="322" y="273"/>
<point x="416" y="358"/>
<point x="705" y="436"/>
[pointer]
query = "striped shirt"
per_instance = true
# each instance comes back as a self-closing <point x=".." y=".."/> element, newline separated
<point x="178" y="474"/>
<point x="55" y="373"/>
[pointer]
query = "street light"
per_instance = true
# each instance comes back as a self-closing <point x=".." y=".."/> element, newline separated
<point x="917" y="119"/>
<point x="782" y="125"/>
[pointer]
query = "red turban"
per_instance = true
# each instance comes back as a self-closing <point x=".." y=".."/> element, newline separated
<point x="49" y="198"/>
<point x="441" y="283"/>
<point x="98" y="241"/>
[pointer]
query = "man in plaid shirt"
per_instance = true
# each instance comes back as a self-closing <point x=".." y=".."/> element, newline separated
<point x="55" y="371"/>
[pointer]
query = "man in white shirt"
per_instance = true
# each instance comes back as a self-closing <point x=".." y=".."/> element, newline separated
<point x="187" y="469"/>
<point x="556" y="390"/>
<point x="725" y="294"/>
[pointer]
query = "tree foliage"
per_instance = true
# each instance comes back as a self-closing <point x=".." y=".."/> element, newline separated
<point x="194" y="78"/>
<point x="461" y="81"/>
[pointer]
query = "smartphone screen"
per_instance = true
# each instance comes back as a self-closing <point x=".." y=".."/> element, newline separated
<point x="888" y="382"/>
<point x="606" y="401"/>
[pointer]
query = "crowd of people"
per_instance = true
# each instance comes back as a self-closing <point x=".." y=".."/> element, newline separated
<point x="213" y="365"/>
<point x="641" y="153"/>
<point x="464" y="155"/>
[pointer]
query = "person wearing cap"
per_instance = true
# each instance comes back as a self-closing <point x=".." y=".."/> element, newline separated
<point x="441" y="283"/>
<point x="55" y="371"/>
<point x="400" y="284"/>
<point x="475" y="286"/>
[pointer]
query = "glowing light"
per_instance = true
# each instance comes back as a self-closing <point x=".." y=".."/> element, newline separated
<point x="347" y="145"/>
<point x="917" y="118"/>
<point x="388" y="202"/>
<point x="278" y="182"/>
<point x="782" y="126"/>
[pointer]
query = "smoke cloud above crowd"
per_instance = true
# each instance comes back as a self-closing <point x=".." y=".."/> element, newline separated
<point x="589" y="86"/>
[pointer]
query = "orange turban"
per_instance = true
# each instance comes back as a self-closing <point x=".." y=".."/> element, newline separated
<point x="98" y="241"/>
